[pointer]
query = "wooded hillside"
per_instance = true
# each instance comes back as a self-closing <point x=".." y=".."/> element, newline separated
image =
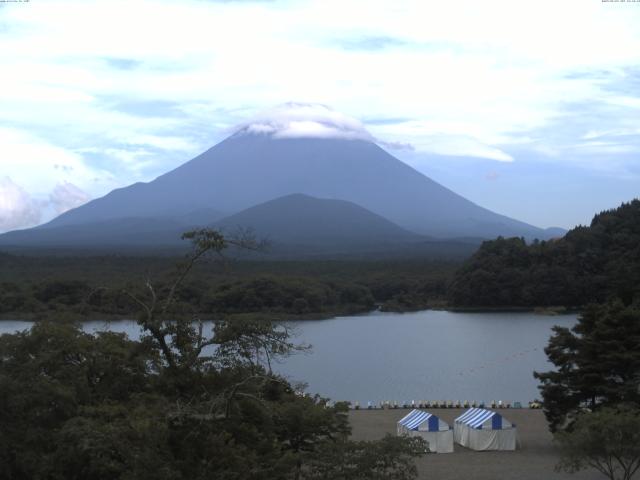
<point x="589" y="264"/>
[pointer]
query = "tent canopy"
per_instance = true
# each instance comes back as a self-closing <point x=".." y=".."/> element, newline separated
<point x="482" y="419"/>
<point x="423" y="421"/>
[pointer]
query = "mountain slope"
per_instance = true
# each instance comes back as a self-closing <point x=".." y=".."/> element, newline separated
<point x="248" y="169"/>
<point x="304" y="220"/>
<point x="128" y="231"/>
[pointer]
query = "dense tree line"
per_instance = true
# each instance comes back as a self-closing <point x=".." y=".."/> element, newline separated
<point x="262" y="294"/>
<point x="590" y="264"/>
<point x="181" y="403"/>
<point x="37" y="287"/>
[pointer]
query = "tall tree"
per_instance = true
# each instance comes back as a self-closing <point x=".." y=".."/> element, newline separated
<point x="597" y="362"/>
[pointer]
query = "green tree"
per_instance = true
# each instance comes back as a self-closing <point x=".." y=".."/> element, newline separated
<point x="597" y="362"/>
<point x="588" y="265"/>
<point x="49" y="377"/>
<point x="392" y="458"/>
<point x="607" y="440"/>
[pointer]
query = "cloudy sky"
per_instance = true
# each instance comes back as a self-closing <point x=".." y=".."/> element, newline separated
<point x="529" y="108"/>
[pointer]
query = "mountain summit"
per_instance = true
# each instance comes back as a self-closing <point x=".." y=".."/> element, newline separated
<point x="304" y="120"/>
<point x="297" y="149"/>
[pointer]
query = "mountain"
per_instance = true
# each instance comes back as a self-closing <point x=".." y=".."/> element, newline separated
<point x="294" y="226"/>
<point x="303" y="220"/>
<point x="113" y="232"/>
<point x="247" y="169"/>
<point x="298" y="149"/>
<point x="300" y="226"/>
<point x="554" y="232"/>
<point x="136" y="232"/>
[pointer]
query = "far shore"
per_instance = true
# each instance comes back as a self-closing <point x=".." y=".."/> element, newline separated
<point x="288" y="317"/>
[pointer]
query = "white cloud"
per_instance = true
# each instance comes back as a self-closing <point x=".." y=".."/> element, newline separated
<point x="442" y="139"/>
<point x="495" y="70"/>
<point x="40" y="168"/>
<point x="463" y="146"/>
<point x="304" y="120"/>
<point x="66" y="196"/>
<point x="17" y="208"/>
<point x="38" y="165"/>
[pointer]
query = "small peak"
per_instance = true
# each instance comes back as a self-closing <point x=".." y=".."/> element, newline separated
<point x="304" y="120"/>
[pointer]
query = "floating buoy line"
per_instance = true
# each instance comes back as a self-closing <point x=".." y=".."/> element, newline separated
<point x="392" y="404"/>
<point x="497" y="362"/>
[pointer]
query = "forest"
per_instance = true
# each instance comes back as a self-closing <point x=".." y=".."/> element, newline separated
<point x="36" y="287"/>
<point x="588" y="265"/>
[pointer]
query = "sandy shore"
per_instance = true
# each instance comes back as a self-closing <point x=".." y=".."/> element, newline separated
<point x="535" y="459"/>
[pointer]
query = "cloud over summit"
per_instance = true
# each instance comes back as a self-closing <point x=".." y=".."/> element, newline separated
<point x="305" y="120"/>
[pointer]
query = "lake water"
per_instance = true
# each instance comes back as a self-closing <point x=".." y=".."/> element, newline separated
<point x="429" y="355"/>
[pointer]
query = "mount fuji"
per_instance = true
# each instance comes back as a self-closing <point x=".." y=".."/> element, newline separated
<point x="298" y="151"/>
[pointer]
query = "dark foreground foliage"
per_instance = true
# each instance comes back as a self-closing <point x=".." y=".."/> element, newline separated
<point x="181" y="403"/>
<point x="589" y="264"/>
<point x="78" y="406"/>
<point x="607" y="440"/>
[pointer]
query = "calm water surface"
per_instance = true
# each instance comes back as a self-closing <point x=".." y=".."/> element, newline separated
<point x="429" y="355"/>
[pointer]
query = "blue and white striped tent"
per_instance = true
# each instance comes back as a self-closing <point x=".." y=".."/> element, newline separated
<point x="482" y="429"/>
<point x="437" y="433"/>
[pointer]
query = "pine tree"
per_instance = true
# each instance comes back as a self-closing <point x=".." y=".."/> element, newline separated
<point x="597" y="362"/>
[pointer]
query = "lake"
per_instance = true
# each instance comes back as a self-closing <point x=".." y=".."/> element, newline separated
<point x="428" y="355"/>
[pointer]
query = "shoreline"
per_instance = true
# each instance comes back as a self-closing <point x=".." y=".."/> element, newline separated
<point x="292" y="317"/>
